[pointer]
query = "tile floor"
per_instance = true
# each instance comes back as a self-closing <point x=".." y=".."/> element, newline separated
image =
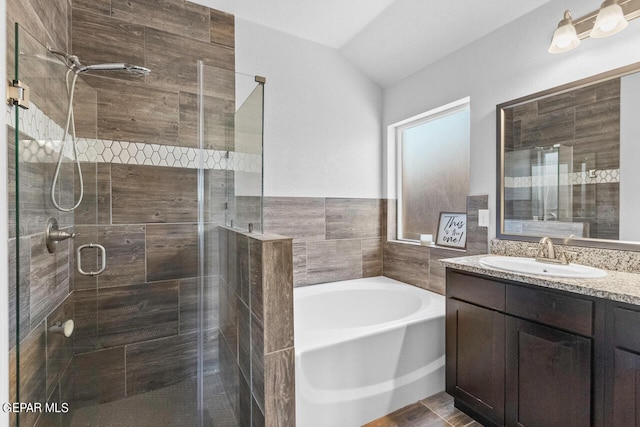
<point x="434" y="411"/>
<point x="175" y="405"/>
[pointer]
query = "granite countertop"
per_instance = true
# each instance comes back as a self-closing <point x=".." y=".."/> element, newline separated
<point x="616" y="286"/>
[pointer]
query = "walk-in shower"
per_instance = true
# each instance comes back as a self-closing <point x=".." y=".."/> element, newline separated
<point x="166" y="161"/>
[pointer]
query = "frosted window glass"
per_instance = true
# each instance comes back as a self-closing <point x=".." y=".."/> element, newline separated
<point x="435" y="172"/>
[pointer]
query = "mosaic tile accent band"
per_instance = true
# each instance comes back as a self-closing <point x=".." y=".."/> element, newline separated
<point x="47" y="136"/>
<point x="597" y="176"/>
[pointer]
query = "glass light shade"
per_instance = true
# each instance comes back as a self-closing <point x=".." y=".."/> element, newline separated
<point x="564" y="39"/>
<point x="610" y="20"/>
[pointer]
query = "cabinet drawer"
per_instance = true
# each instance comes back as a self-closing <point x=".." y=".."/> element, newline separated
<point x="568" y="313"/>
<point x="627" y="329"/>
<point x="487" y="293"/>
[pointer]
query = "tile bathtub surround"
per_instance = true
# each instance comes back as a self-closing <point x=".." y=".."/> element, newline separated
<point x="607" y="259"/>
<point x="418" y="265"/>
<point x="333" y="238"/>
<point x="256" y="305"/>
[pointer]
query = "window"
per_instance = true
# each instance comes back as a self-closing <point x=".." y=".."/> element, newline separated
<point x="432" y="168"/>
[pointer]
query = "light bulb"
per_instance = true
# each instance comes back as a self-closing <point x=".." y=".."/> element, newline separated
<point x="610" y="20"/>
<point x="565" y="37"/>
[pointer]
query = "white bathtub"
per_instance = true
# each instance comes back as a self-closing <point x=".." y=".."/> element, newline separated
<point x="365" y="348"/>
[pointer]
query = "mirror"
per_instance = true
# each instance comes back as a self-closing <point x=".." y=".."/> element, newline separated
<point x="569" y="163"/>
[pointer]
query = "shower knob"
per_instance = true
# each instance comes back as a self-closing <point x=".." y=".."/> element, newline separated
<point x="53" y="235"/>
<point x="63" y="328"/>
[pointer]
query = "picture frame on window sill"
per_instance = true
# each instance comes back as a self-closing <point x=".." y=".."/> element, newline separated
<point x="452" y="230"/>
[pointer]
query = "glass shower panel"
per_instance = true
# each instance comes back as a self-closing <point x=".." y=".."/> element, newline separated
<point x="41" y="280"/>
<point x="230" y="194"/>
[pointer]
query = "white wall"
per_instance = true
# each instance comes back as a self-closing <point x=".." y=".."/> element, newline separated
<point x="509" y="63"/>
<point x="4" y="235"/>
<point x="322" y="116"/>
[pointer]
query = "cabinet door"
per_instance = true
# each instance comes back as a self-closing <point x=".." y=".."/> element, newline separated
<point x="475" y="358"/>
<point x="548" y="376"/>
<point x="623" y="367"/>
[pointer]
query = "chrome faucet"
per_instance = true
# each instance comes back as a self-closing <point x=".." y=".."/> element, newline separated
<point x="550" y="256"/>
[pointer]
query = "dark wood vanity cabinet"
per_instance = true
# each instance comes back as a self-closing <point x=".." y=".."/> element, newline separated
<point x="521" y="356"/>
<point x="622" y="371"/>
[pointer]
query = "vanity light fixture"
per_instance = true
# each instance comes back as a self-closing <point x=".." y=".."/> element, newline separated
<point x="612" y="17"/>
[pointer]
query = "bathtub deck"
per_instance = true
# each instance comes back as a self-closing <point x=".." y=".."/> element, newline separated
<point x="434" y="411"/>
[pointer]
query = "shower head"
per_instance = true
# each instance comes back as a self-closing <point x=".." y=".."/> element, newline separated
<point x="129" y="68"/>
<point x="74" y="64"/>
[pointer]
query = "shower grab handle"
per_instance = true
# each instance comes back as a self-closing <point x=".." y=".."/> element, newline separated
<point x="103" y="257"/>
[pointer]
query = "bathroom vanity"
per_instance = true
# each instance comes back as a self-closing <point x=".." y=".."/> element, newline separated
<point x="527" y="350"/>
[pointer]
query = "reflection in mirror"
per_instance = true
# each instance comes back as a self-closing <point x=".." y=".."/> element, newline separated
<point x="571" y="162"/>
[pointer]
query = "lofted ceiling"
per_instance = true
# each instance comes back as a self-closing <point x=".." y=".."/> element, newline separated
<point x="387" y="39"/>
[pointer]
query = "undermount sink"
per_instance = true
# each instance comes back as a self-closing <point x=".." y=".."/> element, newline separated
<point x="531" y="266"/>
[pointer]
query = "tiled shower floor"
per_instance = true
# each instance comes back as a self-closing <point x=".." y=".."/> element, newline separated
<point x="170" y="406"/>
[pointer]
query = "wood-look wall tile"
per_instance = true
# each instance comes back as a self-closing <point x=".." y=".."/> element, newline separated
<point x="222" y="28"/>
<point x="100" y="39"/>
<point x="371" y="257"/>
<point x="99" y="376"/>
<point x="87" y="211"/>
<point x="244" y="408"/>
<point x="175" y="16"/>
<point x="218" y="119"/>
<point x="23" y="289"/>
<point x="172" y="251"/>
<point x="103" y="184"/>
<point x="129" y="314"/>
<point x="392" y="219"/>
<point x="51" y="419"/>
<point x="189" y="297"/>
<point x="248" y="208"/>
<point x="151" y="194"/>
<point x="437" y="282"/>
<point x="216" y="196"/>
<point x="125" y="246"/>
<point x="257" y="360"/>
<point x="33" y="371"/>
<point x="22" y="12"/>
<point x="230" y="374"/>
<point x="334" y="260"/>
<point x="49" y="278"/>
<point x="299" y="264"/>
<point x="129" y="121"/>
<point x="233" y="264"/>
<point x="59" y="347"/>
<point x="353" y="218"/>
<point x="85" y="334"/>
<point x="159" y="363"/>
<point x="53" y="14"/>
<point x="223" y="253"/>
<point x="598" y="131"/>
<point x="85" y="110"/>
<point x="173" y="58"/>
<point x="581" y="96"/>
<point x="97" y="6"/>
<point x="66" y="392"/>
<point x="243" y="269"/>
<point x="257" y="416"/>
<point x="548" y="129"/>
<point x="212" y="250"/>
<point x="299" y="217"/>
<point x="244" y="341"/>
<point x="279" y="388"/>
<point x="407" y="263"/>
<point x="277" y="284"/>
<point x="477" y="237"/>
<point x="255" y="278"/>
<point x="608" y="210"/>
<point x="229" y="318"/>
